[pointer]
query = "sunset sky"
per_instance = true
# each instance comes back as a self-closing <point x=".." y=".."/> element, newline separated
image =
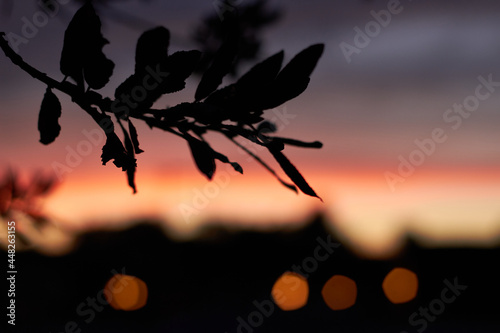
<point x="368" y="112"/>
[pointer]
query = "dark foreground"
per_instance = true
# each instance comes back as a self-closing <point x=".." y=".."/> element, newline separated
<point x="218" y="284"/>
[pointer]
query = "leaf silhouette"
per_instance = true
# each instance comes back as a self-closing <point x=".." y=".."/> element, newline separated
<point x="129" y="147"/>
<point x="180" y="65"/>
<point x="152" y="48"/>
<point x="221" y="65"/>
<point x="293" y="78"/>
<point x="113" y="150"/>
<point x="203" y="156"/>
<point x="150" y="53"/>
<point x="264" y="164"/>
<point x="48" y="118"/>
<point x="82" y="56"/>
<point x="97" y="70"/>
<point x="240" y="98"/>
<point x="303" y="64"/>
<point x="223" y="158"/>
<point x="265" y="86"/>
<point x="133" y="137"/>
<point x="72" y="57"/>
<point x="156" y="73"/>
<point x="262" y="73"/>
<point x="293" y="173"/>
<point x="298" y="143"/>
<point x="267" y="127"/>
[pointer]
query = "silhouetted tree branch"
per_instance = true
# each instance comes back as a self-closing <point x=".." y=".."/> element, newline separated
<point x="234" y="111"/>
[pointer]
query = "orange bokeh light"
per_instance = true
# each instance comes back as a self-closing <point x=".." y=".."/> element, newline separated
<point x="126" y="292"/>
<point x="290" y="291"/>
<point x="400" y="285"/>
<point x="339" y="292"/>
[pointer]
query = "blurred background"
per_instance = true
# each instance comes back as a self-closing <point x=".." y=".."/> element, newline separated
<point x="373" y="96"/>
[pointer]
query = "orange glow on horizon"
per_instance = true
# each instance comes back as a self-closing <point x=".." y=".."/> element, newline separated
<point x="441" y="207"/>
